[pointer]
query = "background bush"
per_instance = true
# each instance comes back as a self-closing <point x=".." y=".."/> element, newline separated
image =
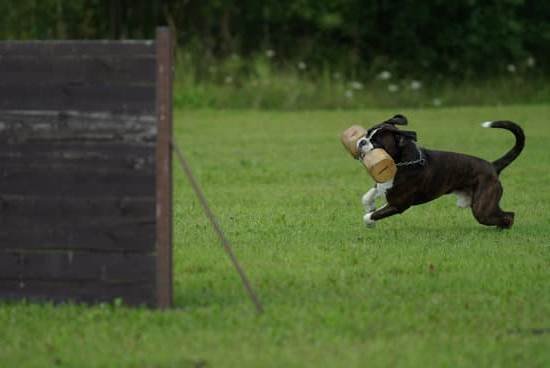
<point x="310" y="53"/>
<point x="446" y="37"/>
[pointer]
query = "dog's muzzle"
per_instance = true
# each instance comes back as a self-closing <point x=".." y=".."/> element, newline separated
<point x="365" y="145"/>
<point x="378" y="162"/>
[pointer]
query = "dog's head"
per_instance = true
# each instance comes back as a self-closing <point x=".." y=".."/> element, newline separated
<point x="387" y="136"/>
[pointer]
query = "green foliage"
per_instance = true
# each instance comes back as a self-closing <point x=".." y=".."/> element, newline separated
<point x="261" y="82"/>
<point x="429" y="288"/>
<point x="445" y="39"/>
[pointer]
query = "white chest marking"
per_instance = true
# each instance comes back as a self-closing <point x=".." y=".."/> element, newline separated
<point x="382" y="188"/>
<point x="463" y="199"/>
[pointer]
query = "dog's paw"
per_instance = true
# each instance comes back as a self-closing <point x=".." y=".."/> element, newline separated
<point x="369" y="222"/>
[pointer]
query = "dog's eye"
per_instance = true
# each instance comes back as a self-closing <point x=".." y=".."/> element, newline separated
<point x="362" y="142"/>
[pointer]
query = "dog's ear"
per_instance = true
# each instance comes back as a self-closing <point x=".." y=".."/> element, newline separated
<point x="405" y="136"/>
<point x="402" y="137"/>
<point x="397" y="120"/>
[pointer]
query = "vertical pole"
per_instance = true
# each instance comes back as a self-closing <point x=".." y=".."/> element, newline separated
<point x="164" y="168"/>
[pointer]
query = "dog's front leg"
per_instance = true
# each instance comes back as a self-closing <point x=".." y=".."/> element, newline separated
<point x="388" y="210"/>
<point x="369" y="200"/>
<point x="379" y="190"/>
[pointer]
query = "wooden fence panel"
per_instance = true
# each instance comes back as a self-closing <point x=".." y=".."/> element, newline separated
<point x="81" y="217"/>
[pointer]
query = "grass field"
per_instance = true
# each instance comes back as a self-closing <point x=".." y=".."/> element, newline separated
<point x="429" y="288"/>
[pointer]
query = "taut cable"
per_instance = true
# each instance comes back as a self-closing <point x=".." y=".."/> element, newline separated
<point x="217" y="228"/>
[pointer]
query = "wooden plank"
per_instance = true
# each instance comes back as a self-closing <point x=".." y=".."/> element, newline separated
<point x="70" y="96"/>
<point x="90" y="182"/>
<point x="74" y="119"/>
<point x="61" y="126"/>
<point x="132" y="293"/>
<point x="132" y="234"/>
<point x="76" y="266"/>
<point x="77" y="69"/>
<point x="164" y="168"/>
<point x="64" y="48"/>
<point x="63" y="220"/>
<point x="72" y="158"/>
<point x="77" y="209"/>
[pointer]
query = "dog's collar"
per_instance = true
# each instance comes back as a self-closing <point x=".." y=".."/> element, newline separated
<point x="420" y="160"/>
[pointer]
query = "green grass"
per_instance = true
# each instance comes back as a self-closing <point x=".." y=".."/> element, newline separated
<point x="428" y="288"/>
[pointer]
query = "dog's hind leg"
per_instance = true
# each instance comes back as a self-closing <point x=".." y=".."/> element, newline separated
<point x="485" y="205"/>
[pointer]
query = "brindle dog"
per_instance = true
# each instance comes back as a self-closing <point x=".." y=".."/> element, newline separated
<point x="424" y="175"/>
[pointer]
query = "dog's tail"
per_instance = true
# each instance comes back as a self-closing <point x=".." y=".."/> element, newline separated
<point x="511" y="155"/>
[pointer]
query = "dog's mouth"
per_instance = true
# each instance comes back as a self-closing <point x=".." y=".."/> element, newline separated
<point x="364" y="145"/>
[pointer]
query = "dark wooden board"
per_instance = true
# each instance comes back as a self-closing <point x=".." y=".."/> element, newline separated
<point x="94" y="182"/>
<point x="132" y="293"/>
<point x="77" y="70"/>
<point x="76" y="266"/>
<point x="164" y="167"/>
<point x="73" y="157"/>
<point x="58" y="208"/>
<point x="134" y="234"/>
<point x="116" y="98"/>
<point x="62" y="126"/>
<point x="40" y="49"/>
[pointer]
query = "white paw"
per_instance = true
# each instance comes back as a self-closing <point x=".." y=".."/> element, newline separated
<point x="369" y="222"/>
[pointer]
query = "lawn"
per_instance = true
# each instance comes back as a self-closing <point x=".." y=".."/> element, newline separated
<point x="430" y="287"/>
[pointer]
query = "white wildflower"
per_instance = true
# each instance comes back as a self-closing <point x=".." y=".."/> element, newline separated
<point x="228" y="79"/>
<point x="302" y="65"/>
<point x="337" y="76"/>
<point x="437" y="102"/>
<point x="416" y="85"/>
<point x="356" y="85"/>
<point x="270" y="53"/>
<point x="511" y="68"/>
<point x="393" y="88"/>
<point x="530" y="62"/>
<point x="349" y="93"/>
<point x="384" y="75"/>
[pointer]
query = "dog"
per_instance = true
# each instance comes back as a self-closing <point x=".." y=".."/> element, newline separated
<point x="424" y="175"/>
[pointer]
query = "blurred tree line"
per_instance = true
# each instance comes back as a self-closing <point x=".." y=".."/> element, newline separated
<point x="462" y="37"/>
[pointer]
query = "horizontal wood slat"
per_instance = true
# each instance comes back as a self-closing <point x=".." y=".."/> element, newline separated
<point x="74" y="96"/>
<point x="72" y="158"/>
<point x="76" y="266"/>
<point x="61" y="126"/>
<point x="132" y="293"/>
<point x="77" y="70"/>
<point x="134" y="234"/>
<point x="75" y="207"/>
<point x="98" y="182"/>
<point x="41" y="49"/>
